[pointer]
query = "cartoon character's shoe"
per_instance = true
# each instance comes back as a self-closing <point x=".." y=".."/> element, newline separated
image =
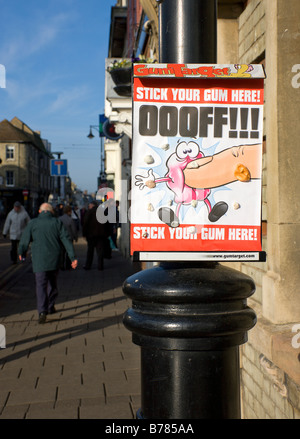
<point x="167" y="216"/>
<point x="218" y="211"/>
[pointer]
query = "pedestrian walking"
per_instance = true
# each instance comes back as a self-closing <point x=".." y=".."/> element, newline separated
<point x="59" y="210"/>
<point x="75" y="216"/>
<point x="15" y="223"/>
<point x="47" y="235"/>
<point x="96" y="235"/>
<point x="83" y="211"/>
<point x="71" y="228"/>
<point x="114" y="225"/>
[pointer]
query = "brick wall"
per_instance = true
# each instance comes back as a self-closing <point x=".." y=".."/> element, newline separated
<point x="133" y="18"/>
<point x="252" y="32"/>
<point x="267" y="392"/>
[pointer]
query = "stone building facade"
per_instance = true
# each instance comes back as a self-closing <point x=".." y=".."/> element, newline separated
<point x="269" y="32"/>
<point x="25" y="167"/>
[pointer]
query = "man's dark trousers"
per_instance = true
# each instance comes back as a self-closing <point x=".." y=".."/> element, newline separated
<point x="14" y="250"/>
<point x="98" y="244"/>
<point x="46" y="290"/>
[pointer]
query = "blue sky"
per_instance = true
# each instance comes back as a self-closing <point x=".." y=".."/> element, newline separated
<point x="54" y="55"/>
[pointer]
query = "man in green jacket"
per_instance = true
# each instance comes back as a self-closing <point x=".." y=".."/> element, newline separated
<point x="47" y="235"/>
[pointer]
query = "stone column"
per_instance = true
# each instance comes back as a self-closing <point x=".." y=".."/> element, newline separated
<point x="281" y="299"/>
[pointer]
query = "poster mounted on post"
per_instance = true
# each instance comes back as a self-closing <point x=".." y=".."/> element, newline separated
<point x="197" y="162"/>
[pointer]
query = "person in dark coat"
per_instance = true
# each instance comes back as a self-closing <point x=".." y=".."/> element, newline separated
<point x="47" y="235"/>
<point x="96" y="235"/>
<point x="70" y="226"/>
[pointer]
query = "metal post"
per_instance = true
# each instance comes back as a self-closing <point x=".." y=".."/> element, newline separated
<point x="62" y="187"/>
<point x="188" y="31"/>
<point x="59" y="181"/>
<point x="189" y="318"/>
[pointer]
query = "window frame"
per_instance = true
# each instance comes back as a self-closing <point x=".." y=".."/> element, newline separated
<point x="6" y="178"/>
<point x="8" y="150"/>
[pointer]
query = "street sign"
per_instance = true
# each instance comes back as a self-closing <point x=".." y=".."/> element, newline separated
<point x="197" y="162"/>
<point x="102" y="120"/>
<point x="59" y="168"/>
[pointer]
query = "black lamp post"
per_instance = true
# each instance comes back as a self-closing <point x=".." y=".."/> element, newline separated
<point x="189" y="318"/>
<point x="102" y="176"/>
<point x="91" y="135"/>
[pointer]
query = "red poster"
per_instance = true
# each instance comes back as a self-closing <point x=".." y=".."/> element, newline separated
<point x="197" y="162"/>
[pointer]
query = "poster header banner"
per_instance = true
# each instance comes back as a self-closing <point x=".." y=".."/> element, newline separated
<point x="245" y="71"/>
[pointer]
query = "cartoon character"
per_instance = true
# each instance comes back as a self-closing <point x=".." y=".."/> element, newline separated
<point x="175" y="180"/>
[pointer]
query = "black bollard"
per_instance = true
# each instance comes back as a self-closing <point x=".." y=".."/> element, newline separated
<point x="189" y="318"/>
<point x="189" y="322"/>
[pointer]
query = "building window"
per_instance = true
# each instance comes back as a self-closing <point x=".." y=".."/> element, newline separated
<point x="10" y="178"/>
<point x="10" y="152"/>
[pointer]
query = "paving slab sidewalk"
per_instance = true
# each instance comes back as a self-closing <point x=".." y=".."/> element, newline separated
<point x="82" y="363"/>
